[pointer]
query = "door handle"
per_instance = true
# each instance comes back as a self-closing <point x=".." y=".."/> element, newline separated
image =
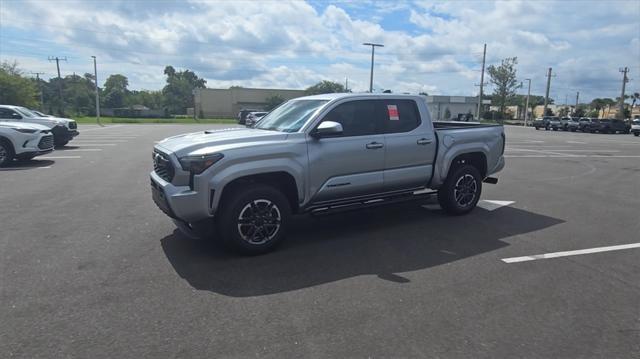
<point x="423" y="141"/>
<point x="374" y="145"/>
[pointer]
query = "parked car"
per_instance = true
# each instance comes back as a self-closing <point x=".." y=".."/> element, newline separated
<point x="573" y="124"/>
<point x="320" y="154"/>
<point x="63" y="129"/>
<point x="584" y="124"/>
<point x="564" y="123"/>
<point x="242" y="115"/>
<point x="554" y="123"/>
<point x="253" y="117"/>
<point x="541" y="122"/>
<point x="635" y="127"/>
<point x="609" y="125"/>
<point x="23" y="141"/>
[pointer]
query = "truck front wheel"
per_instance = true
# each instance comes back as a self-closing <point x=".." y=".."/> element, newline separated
<point x="461" y="190"/>
<point x="254" y="219"/>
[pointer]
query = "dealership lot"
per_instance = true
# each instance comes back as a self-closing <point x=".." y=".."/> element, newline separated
<point x="91" y="268"/>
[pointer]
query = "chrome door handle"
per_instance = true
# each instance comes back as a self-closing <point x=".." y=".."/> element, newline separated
<point x="423" y="141"/>
<point x="374" y="145"/>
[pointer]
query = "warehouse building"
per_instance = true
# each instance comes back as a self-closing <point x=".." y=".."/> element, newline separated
<point x="226" y="103"/>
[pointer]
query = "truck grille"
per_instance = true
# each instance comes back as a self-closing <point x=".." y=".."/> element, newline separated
<point x="46" y="142"/>
<point x="162" y="166"/>
<point x="73" y="125"/>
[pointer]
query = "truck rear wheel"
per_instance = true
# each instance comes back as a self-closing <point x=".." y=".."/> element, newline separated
<point x="254" y="219"/>
<point x="6" y="152"/>
<point x="461" y="190"/>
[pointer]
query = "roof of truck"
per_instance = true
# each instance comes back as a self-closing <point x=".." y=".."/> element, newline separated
<point x="334" y="96"/>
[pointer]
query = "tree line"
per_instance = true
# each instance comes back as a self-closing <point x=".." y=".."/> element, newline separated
<point x="75" y="94"/>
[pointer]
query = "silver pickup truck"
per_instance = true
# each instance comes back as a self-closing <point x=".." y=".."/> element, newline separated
<point x="320" y="154"/>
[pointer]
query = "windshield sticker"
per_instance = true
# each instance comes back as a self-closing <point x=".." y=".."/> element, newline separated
<point x="393" y="112"/>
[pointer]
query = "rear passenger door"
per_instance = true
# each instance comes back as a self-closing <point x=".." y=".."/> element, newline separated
<point x="351" y="164"/>
<point x="411" y="146"/>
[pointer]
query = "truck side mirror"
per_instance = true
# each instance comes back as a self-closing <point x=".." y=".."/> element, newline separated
<point x="327" y="129"/>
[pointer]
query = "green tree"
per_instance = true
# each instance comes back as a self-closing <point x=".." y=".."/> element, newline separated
<point x="178" y="92"/>
<point x="273" y="102"/>
<point x="115" y="91"/>
<point x="325" y="87"/>
<point x="634" y="98"/>
<point x="447" y="113"/>
<point x="503" y="77"/>
<point x="16" y="89"/>
<point x="549" y="112"/>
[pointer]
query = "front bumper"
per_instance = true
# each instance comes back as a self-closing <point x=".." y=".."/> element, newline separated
<point x="179" y="202"/>
<point x="61" y="133"/>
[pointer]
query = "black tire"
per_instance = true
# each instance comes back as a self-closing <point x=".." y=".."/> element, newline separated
<point x="61" y="143"/>
<point x="243" y="203"/>
<point x="6" y="152"/>
<point x="455" y="200"/>
<point x="636" y="134"/>
<point x="537" y="128"/>
<point x="555" y="129"/>
<point x="26" y="157"/>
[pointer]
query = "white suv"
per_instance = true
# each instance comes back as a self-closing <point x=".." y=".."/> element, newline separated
<point x="635" y="127"/>
<point x="63" y="129"/>
<point x="23" y="141"/>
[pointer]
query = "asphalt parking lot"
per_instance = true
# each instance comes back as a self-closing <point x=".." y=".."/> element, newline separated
<point x="91" y="268"/>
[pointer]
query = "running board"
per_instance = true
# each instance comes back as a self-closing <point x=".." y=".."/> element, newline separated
<point x="490" y="180"/>
<point x="343" y="207"/>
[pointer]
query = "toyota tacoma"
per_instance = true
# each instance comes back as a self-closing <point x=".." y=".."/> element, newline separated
<point x="319" y="154"/>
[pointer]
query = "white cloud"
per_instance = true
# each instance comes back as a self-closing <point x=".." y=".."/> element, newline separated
<point x="431" y="46"/>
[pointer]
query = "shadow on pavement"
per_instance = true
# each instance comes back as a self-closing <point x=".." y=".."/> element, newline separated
<point x="382" y="241"/>
<point x="66" y="148"/>
<point x="27" y="165"/>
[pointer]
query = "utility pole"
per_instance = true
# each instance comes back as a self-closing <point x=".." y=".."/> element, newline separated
<point x="526" y="106"/>
<point x="624" y="84"/>
<point x="95" y="78"/>
<point x="546" y="96"/>
<point x="373" y="51"/>
<point x="41" y="91"/>
<point x="484" y="56"/>
<point x="577" y="98"/>
<point x="57" y="59"/>
<point x="346" y="84"/>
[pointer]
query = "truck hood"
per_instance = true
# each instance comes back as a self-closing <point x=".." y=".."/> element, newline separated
<point x="23" y="125"/>
<point x="215" y="141"/>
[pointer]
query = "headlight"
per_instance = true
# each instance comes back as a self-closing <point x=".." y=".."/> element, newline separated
<point x="198" y="164"/>
<point x="25" y="130"/>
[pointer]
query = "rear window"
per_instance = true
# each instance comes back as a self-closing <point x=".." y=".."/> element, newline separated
<point x="399" y="116"/>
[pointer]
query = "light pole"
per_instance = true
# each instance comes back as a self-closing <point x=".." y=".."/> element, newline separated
<point x="526" y="106"/>
<point x="95" y="77"/>
<point x="373" y="51"/>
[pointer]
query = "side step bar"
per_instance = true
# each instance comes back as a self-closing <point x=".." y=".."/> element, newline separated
<point x="491" y="180"/>
<point x="330" y="209"/>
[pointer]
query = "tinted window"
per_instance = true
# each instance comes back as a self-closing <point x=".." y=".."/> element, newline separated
<point x="399" y="116"/>
<point x="358" y="118"/>
<point x="6" y="113"/>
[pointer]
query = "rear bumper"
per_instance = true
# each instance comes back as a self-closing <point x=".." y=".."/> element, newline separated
<point x="179" y="202"/>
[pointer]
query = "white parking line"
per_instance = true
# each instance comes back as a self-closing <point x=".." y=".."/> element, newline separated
<point x="89" y="144"/>
<point x="570" y="253"/>
<point x="59" y="157"/>
<point x="571" y="156"/>
<point x="81" y="150"/>
<point x="98" y="128"/>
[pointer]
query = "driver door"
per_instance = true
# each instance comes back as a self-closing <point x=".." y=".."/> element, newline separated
<point x="350" y="164"/>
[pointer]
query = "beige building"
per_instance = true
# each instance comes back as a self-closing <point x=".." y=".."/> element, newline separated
<point x="456" y="106"/>
<point x="226" y="103"/>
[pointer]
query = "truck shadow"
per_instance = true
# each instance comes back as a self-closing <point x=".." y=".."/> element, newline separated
<point x="382" y="241"/>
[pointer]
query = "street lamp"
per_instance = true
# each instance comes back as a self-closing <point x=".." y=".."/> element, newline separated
<point x="373" y="48"/>
<point x="526" y="106"/>
<point x="95" y="77"/>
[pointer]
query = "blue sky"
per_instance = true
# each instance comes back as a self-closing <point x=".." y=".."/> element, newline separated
<point x="430" y="46"/>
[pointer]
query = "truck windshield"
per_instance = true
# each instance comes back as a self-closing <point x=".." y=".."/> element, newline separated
<point x="290" y="116"/>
